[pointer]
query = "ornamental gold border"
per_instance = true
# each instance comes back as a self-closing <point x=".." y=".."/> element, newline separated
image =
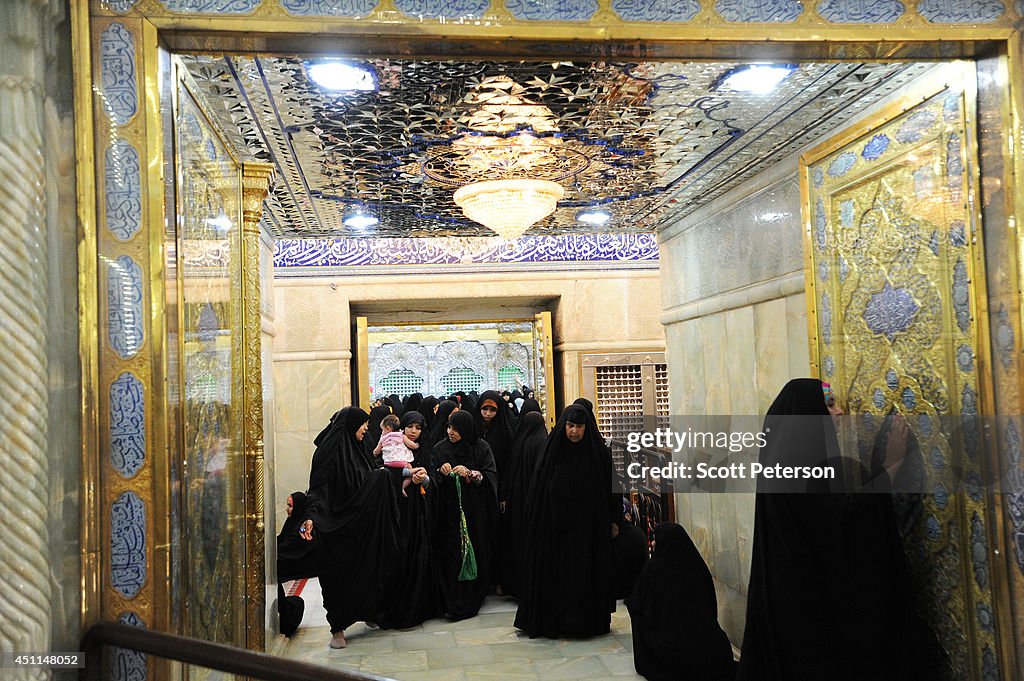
<point x="498" y="21"/>
<point x="269" y="28"/>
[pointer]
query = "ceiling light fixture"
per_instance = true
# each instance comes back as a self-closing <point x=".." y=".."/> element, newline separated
<point x="509" y="207"/>
<point x="509" y="162"/>
<point x="360" y="220"/>
<point x="757" y="79"/>
<point x="339" y="75"/>
<point x="594" y="216"/>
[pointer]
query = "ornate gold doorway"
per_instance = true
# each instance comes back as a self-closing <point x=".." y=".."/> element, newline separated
<point x="137" y="315"/>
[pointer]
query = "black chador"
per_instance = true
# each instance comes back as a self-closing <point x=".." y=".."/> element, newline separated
<point x="674" y="614"/>
<point x="414" y="596"/>
<point x="527" y="446"/>
<point x="829" y="596"/>
<point x="479" y="504"/>
<point x="567" y="561"/>
<point x="294" y="554"/>
<point x="356" y="534"/>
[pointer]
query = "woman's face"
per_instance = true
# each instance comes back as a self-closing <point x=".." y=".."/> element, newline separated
<point x="413" y="430"/>
<point x="574" y="431"/>
<point x="453" y="435"/>
<point x="289" y="505"/>
<point x="529" y="395"/>
<point x="436" y="406"/>
<point x="487" y="413"/>
<point x="362" y="431"/>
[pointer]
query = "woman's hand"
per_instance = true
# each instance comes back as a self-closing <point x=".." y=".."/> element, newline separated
<point x="461" y="470"/>
<point x="306" y="531"/>
<point x="419" y="474"/>
<point x="446" y="468"/>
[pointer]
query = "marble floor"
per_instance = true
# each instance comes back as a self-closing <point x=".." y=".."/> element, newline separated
<point x="483" y="648"/>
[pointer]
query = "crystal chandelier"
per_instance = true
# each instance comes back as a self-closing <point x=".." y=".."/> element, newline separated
<point x="509" y="207"/>
<point x="508" y="165"/>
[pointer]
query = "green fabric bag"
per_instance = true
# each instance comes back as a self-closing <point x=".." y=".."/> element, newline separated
<point x="468" y="571"/>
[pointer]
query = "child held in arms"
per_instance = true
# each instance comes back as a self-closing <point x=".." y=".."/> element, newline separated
<point x="395" y="447"/>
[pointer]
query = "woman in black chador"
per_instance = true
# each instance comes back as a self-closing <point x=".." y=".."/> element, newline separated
<point x="828" y="595"/>
<point x="470" y="459"/>
<point x="352" y="519"/>
<point x="567" y="561"/>
<point x="414" y="595"/>
<point x="530" y="437"/>
<point x="674" y="614"/>
<point x="294" y="554"/>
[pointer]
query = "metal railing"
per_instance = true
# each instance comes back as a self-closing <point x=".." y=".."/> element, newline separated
<point x="204" y="654"/>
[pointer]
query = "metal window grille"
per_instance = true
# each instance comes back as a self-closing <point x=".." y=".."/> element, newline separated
<point x="403" y="382"/>
<point x="661" y="395"/>
<point x="510" y="377"/>
<point x="462" y="378"/>
<point x="620" y="400"/>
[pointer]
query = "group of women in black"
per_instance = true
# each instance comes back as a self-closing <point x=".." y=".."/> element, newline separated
<point x="504" y="503"/>
<point x="394" y="559"/>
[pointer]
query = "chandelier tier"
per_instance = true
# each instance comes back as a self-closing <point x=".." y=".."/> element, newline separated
<point x="509" y="207"/>
<point x="508" y="160"/>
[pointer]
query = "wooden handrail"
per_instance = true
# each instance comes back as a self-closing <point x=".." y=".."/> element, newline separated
<point x="204" y="654"/>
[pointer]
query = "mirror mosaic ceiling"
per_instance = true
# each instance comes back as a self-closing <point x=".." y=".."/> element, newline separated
<point x="650" y="141"/>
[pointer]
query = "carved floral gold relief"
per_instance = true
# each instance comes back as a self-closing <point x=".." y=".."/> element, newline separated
<point x="892" y="268"/>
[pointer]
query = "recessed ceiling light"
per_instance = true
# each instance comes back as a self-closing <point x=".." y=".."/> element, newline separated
<point x="758" y="79"/>
<point x="339" y="75"/>
<point x="360" y="221"/>
<point x="593" y="216"/>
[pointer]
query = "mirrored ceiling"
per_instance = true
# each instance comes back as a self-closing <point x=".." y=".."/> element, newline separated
<point x="650" y="142"/>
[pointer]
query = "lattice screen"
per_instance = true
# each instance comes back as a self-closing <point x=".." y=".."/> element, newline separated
<point x="620" y="408"/>
<point x="463" y="378"/>
<point x="510" y="377"/>
<point x="403" y="382"/>
<point x="661" y="396"/>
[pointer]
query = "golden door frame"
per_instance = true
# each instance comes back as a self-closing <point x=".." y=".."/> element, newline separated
<point x="542" y="358"/>
<point x="147" y="26"/>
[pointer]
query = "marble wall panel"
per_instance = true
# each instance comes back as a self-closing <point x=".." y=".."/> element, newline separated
<point x="753" y="239"/>
<point x="291" y="411"/>
<point x="716" y="365"/>
<point x="741" y="343"/>
<point x="796" y="336"/>
<point x="772" y="356"/>
<point x="294" y="452"/>
<point x="324" y="395"/>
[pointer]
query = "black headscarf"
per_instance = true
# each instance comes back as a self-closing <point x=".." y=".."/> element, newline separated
<point x="567" y="567"/>
<point x="412" y="402"/>
<point x="528" y="406"/>
<point x="584" y="402"/>
<point x="373" y="430"/>
<point x="674" y="613"/>
<point x="828" y="594"/>
<point x="439" y="428"/>
<point x="427" y="409"/>
<point x="423" y="454"/>
<point x="395" y="402"/>
<point x="294" y="554"/>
